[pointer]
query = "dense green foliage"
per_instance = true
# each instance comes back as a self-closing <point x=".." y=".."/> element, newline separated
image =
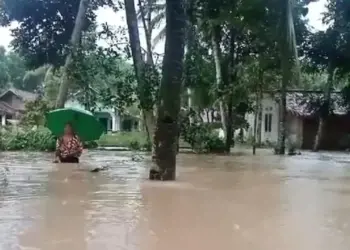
<point x="28" y="139"/>
<point x="45" y="27"/>
<point x="31" y="139"/>
<point x="12" y="69"/>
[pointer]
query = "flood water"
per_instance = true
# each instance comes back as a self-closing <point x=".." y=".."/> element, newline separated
<point x="261" y="202"/>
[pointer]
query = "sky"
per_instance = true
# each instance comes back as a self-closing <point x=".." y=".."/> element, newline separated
<point x="106" y="15"/>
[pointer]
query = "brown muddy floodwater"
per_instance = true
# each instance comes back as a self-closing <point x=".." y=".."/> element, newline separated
<point x="246" y="202"/>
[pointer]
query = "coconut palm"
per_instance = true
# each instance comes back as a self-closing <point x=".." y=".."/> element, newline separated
<point x="153" y="12"/>
<point x="290" y="64"/>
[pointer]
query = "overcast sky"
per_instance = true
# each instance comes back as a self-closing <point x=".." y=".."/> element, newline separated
<point x="118" y="19"/>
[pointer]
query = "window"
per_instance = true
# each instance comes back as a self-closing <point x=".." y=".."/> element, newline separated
<point x="268" y="122"/>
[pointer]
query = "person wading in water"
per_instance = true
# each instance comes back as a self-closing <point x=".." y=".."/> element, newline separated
<point x="68" y="147"/>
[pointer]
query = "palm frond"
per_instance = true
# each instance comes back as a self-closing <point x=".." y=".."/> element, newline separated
<point x="157" y="20"/>
<point x="155" y="8"/>
<point x="159" y="37"/>
<point x="291" y="49"/>
<point x="290" y="30"/>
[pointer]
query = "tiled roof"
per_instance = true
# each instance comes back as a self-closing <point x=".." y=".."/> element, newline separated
<point x="25" y="95"/>
<point x="303" y="103"/>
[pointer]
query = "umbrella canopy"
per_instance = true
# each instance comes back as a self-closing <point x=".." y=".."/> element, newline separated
<point x="84" y="124"/>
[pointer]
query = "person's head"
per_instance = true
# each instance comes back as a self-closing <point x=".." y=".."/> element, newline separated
<point x="68" y="129"/>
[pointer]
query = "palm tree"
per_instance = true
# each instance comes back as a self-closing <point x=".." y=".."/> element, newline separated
<point x="152" y="14"/>
<point x="75" y="39"/>
<point x="290" y="65"/>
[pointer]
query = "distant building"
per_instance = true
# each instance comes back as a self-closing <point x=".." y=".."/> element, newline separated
<point x="12" y="104"/>
<point x="302" y="121"/>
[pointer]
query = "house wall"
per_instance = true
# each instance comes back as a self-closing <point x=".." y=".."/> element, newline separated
<point x="336" y="135"/>
<point x="294" y="130"/>
<point x="270" y="107"/>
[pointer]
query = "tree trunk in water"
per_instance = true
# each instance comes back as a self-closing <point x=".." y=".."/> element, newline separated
<point x="217" y="58"/>
<point x="167" y="126"/>
<point x="290" y="62"/>
<point x="139" y="64"/>
<point x="74" y="43"/>
<point x="281" y="147"/>
<point x="229" y="126"/>
<point x="324" y="112"/>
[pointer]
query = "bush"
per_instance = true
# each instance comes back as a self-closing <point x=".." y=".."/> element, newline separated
<point x="214" y="143"/>
<point x="132" y="140"/>
<point x="134" y="145"/>
<point x="34" y="114"/>
<point x="90" y="144"/>
<point x="203" y="138"/>
<point x="39" y="139"/>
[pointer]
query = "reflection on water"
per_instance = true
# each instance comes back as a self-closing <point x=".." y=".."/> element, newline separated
<point x="218" y="202"/>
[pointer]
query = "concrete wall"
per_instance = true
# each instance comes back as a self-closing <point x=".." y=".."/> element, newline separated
<point x="295" y="130"/>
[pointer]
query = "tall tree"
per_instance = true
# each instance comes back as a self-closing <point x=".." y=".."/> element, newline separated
<point x="145" y="71"/>
<point x="289" y="63"/>
<point x="167" y="126"/>
<point x="328" y="53"/>
<point x="45" y="27"/>
<point x="74" y="45"/>
<point x="12" y="69"/>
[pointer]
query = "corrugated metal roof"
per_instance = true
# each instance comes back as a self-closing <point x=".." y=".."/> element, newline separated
<point x="305" y="103"/>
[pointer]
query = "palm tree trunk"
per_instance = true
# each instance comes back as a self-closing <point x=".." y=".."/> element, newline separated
<point x="289" y="61"/>
<point x="139" y="64"/>
<point x="74" y="43"/>
<point x="167" y="126"/>
<point x="217" y="58"/>
<point x="281" y="147"/>
<point x="146" y="22"/>
<point x="324" y="112"/>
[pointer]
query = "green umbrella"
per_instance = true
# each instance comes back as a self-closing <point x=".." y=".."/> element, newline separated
<point x="84" y="124"/>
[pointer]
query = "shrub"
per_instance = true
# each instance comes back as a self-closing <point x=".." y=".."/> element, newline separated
<point x="90" y="144"/>
<point x="202" y="138"/>
<point x="39" y="139"/>
<point x="214" y="143"/>
<point x="134" y="145"/>
<point x="28" y="139"/>
<point x="133" y="140"/>
<point x="34" y="114"/>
